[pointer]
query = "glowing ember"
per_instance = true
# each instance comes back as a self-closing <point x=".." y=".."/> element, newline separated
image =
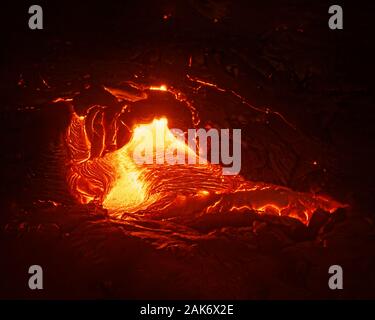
<point x="103" y="171"/>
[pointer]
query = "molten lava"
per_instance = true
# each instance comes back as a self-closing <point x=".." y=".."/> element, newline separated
<point x="103" y="171"/>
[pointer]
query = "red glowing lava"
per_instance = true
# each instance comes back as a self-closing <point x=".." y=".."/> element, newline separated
<point x="102" y="170"/>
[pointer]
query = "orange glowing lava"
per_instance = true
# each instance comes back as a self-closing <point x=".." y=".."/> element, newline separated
<point x="103" y="172"/>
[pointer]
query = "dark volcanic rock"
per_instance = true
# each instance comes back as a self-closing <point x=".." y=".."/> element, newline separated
<point x="317" y="221"/>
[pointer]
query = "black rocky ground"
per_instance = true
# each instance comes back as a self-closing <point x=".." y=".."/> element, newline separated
<point x="230" y="256"/>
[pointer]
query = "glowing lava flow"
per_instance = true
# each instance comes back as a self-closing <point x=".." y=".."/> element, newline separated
<point x="114" y="180"/>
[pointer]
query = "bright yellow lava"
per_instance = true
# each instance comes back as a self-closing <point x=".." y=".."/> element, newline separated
<point x="153" y="144"/>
